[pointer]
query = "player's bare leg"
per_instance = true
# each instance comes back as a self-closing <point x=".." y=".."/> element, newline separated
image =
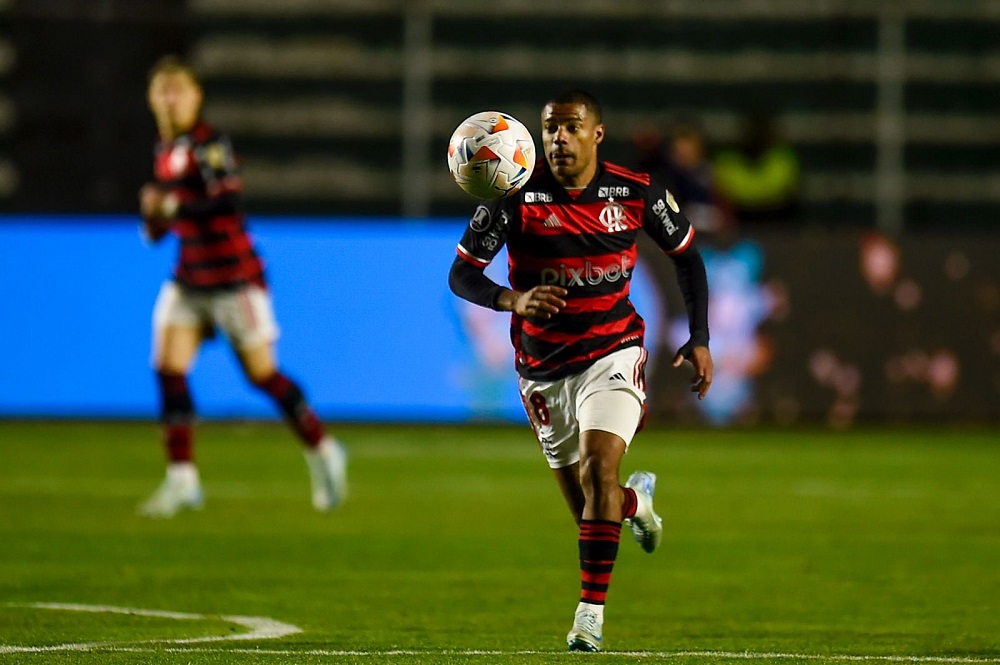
<point x="600" y="457"/>
<point x="258" y="363"/>
<point x="174" y="351"/>
<point x="568" y="479"/>
<point x="176" y="348"/>
<point x="325" y="456"/>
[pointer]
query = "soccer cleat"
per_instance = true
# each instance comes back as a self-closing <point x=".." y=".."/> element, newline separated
<point x="586" y="632"/>
<point x="328" y="473"/>
<point x="180" y="490"/>
<point x="646" y="525"/>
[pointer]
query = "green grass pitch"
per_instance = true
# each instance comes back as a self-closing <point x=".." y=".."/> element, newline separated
<point x="455" y="547"/>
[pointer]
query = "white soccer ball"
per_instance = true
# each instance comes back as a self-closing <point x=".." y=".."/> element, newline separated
<point x="491" y="155"/>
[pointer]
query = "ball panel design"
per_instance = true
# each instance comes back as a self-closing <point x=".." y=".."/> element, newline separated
<point x="491" y="155"/>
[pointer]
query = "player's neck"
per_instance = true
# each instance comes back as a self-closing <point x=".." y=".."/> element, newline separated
<point x="575" y="184"/>
<point x="580" y="181"/>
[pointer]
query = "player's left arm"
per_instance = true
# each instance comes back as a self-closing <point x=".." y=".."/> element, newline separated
<point x="671" y="230"/>
<point x="693" y="282"/>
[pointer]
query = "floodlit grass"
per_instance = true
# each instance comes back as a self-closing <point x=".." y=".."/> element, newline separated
<point x="454" y="541"/>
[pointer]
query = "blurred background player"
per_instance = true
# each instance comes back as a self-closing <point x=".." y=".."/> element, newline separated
<point x="760" y="177"/>
<point x="681" y="163"/>
<point x="218" y="283"/>
<point x="571" y="236"/>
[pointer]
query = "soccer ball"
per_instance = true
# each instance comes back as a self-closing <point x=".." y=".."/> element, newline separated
<point x="491" y="155"/>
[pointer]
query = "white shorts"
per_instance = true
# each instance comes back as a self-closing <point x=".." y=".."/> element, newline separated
<point x="245" y="315"/>
<point x="607" y="396"/>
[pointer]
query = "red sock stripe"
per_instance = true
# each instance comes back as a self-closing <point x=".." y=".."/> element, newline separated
<point x="178" y="440"/>
<point x="309" y="428"/>
<point x="595" y="578"/>
<point x="600" y="531"/>
<point x="173" y="383"/>
<point x="276" y="385"/>
<point x="598" y="550"/>
<point x="299" y="415"/>
<point x="629" y="503"/>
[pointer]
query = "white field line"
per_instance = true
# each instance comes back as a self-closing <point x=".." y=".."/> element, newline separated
<point x="727" y="655"/>
<point x="388" y="653"/>
<point x="261" y="628"/>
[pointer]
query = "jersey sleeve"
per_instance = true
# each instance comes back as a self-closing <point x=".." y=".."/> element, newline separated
<point x="664" y="221"/>
<point x="217" y="163"/>
<point x="487" y="232"/>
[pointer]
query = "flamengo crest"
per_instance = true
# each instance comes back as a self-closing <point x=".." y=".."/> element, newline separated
<point x="613" y="216"/>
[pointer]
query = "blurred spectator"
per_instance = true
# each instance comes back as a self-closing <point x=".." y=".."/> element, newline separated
<point x="682" y="162"/>
<point x="760" y="178"/>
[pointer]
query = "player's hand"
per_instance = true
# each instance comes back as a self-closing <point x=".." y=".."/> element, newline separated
<point x="540" y="302"/>
<point x="701" y="360"/>
<point x="153" y="229"/>
<point x="151" y="200"/>
<point x="155" y="202"/>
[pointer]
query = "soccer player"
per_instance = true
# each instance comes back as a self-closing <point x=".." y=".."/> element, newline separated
<point x="571" y="241"/>
<point x="218" y="284"/>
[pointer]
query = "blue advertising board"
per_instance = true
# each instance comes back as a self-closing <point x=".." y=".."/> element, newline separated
<point x="369" y="327"/>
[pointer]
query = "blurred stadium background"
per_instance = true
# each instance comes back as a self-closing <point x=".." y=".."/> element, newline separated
<point x="879" y="301"/>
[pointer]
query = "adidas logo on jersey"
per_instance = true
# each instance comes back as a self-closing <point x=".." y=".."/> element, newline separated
<point x="616" y="377"/>
<point x="551" y="222"/>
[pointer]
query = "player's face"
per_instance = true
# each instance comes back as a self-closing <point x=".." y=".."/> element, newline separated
<point x="570" y="136"/>
<point x="175" y="100"/>
<point x="687" y="151"/>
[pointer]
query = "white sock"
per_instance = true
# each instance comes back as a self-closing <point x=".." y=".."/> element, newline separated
<point x="328" y="442"/>
<point x="596" y="609"/>
<point x="185" y="472"/>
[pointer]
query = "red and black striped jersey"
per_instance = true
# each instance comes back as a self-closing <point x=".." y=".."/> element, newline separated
<point x="585" y="244"/>
<point x="216" y="251"/>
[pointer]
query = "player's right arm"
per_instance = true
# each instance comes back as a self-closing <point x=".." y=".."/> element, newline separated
<point x="486" y="234"/>
<point x="154" y="225"/>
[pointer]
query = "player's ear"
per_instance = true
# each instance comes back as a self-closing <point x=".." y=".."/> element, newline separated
<point x="599" y="133"/>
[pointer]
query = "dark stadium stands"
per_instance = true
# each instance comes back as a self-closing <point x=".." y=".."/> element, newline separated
<point x="345" y="106"/>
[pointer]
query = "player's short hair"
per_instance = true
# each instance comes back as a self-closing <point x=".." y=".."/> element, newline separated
<point x="578" y="96"/>
<point x="172" y="64"/>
